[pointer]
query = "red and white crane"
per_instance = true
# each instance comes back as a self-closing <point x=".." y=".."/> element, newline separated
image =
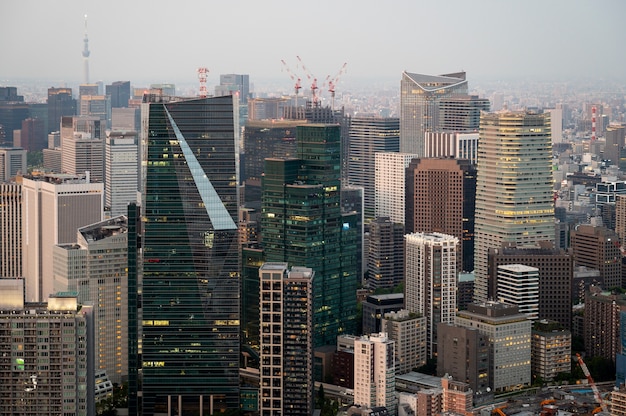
<point x="297" y="86"/>
<point x="202" y="75"/>
<point x="313" y="80"/>
<point x="594" y="388"/>
<point x="332" y="82"/>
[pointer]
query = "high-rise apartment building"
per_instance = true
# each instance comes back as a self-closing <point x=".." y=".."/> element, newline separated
<point x="53" y="208"/>
<point x="602" y="322"/>
<point x="374" y="372"/>
<point x="390" y="185"/>
<point x="551" y="349"/>
<point x="420" y="97"/>
<point x="12" y="162"/>
<point x="368" y="136"/>
<point x="514" y="201"/>
<point x="440" y="198"/>
<point x="10" y="230"/>
<point x="302" y="224"/>
<point x="598" y="248"/>
<point x="121" y="171"/>
<point x="286" y="340"/>
<point x="189" y="260"/>
<point x="430" y="280"/>
<point x="95" y="267"/>
<point x="408" y="331"/>
<point x="508" y="333"/>
<point x="385" y="260"/>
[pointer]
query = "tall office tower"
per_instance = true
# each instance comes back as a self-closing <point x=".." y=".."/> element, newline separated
<point x="286" y="340"/>
<point x="551" y="350"/>
<point x="13" y="110"/>
<point x="46" y="367"/>
<point x="430" y="280"/>
<point x="385" y="260"/>
<point x="390" y="185"/>
<point x="460" y="113"/>
<point x="375" y="373"/>
<point x="598" y="248"/>
<point x="601" y="329"/>
<point x="125" y="119"/>
<point x="95" y="267"/>
<point x="88" y="89"/>
<point x="234" y="84"/>
<point x="97" y="106"/>
<point x="352" y="201"/>
<point x="518" y="284"/>
<point x="119" y="91"/>
<point x="60" y="104"/>
<point x="463" y="354"/>
<point x="376" y="306"/>
<point x="302" y="224"/>
<point x="556" y="272"/>
<point x="10" y="94"/>
<point x="10" y="230"/>
<point x="614" y="136"/>
<point x="263" y="139"/>
<point x="53" y="208"/>
<point x="189" y="259"/>
<point x="508" y="333"/>
<point x="32" y="136"/>
<point x="82" y="153"/>
<point x="251" y="260"/>
<point x="452" y="144"/>
<point x="121" y="171"/>
<point x="556" y="121"/>
<point x="408" y="331"/>
<point x="514" y="200"/>
<point x="420" y="96"/>
<point x="440" y="197"/>
<point x="12" y="163"/>
<point x="93" y="126"/>
<point x="368" y="136"/>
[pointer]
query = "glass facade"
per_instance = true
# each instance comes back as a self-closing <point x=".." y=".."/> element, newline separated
<point x="190" y="262"/>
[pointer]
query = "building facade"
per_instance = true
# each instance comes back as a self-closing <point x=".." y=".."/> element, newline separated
<point x="408" y="331"/>
<point x="598" y="248"/>
<point x="390" y="185"/>
<point x="518" y="284"/>
<point x="385" y="259"/>
<point x="602" y="322"/>
<point x="10" y="230"/>
<point x="12" y="162"/>
<point x="121" y="171"/>
<point x="551" y="350"/>
<point x="374" y="372"/>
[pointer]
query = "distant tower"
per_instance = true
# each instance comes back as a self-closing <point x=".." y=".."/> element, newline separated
<point x="86" y="56"/>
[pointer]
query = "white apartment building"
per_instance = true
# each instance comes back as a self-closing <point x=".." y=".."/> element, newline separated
<point x="374" y="372"/>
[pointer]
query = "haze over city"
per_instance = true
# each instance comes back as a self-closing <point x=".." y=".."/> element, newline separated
<point x="158" y="41"/>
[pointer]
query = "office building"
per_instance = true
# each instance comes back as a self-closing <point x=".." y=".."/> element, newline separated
<point x="47" y="366"/>
<point x="452" y="144"/>
<point x="368" y="136"/>
<point x="88" y="89"/>
<point x="96" y="106"/>
<point x="374" y="372"/>
<point x="32" y="135"/>
<point x="430" y="280"/>
<point x="514" y="199"/>
<point x="508" y="333"/>
<point x="390" y="185"/>
<point x="408" y="331"/>
<point x="601" y="330"/>
<point x="60" y="104"/>
<point x="10" y="230"/>
<point x="620" y="217"/>
<point x="54" y="206"/>
<point x="614" y="137"/>
<point x="385" y="260"/>
<point x="556" y="118"/>
<point x="460" y="112"/>
<point x="82" y="154"/>
<point x="12" y="163"/>
<point x="121" y="171"/>
<point x="52" y="160"/>
<point x="352" y="202"/>
<point x="463" y="354"/>
<point x="440" y="198"/>
<point x="598" y="248"/>
<point x="234" y="84"/>
<point x="119" y="93"/>
<point x="92" y="126"/>
<point x="519" y="285"/>
<point x="251" y="259"/>
<point x="12" y="113"/>
<point x="420" y="96"/>
<point x="302" y="224"/>
<point x="457" y="397"/>
<point x="286" y="340"/>
<point x="376" y="306"/>
<point x="556" y="271"/>
<point x="189" y="260"/>
<point x="551" y="350"/>
<point x="95" y="267"/>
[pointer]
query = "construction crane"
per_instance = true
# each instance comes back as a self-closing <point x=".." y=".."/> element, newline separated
<point x="498" y="411"/>
<point x="594" y="388"/>
<point x="332" y="83"/>
<point x="297" y="86"/>
<point x="313" y="80"/>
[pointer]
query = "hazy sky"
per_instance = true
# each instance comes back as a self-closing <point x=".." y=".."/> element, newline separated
<point x="165" y="41"/>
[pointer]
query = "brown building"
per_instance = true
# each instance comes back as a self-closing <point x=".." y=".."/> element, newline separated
<point x="33" y="137"/>
<point x="463" y="353"/>
<point x="555" y="277"/>
<point x="598" y="248"/>
<point x="440" y="195"/>
<point x="601" y="328"/>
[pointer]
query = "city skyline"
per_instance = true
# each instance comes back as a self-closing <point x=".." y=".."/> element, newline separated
<point x="557" y="41"/>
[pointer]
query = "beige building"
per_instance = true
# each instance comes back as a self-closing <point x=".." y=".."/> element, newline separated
<point x="551" y="350"/>
<point x="10" y="230"/>
<point x="408" y="330"/>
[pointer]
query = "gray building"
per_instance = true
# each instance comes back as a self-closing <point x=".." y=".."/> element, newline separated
<point x="376" y="306"/>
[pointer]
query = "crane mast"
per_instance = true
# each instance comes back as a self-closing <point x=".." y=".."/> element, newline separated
<point x="594" y="388"/>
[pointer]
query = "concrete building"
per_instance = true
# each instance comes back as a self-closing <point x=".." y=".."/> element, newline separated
<point x="82" y="154"/>
<point x="53" y="208"/>
<point x="430" y="280"/>
<point x="514" y="170"/>
<point x="119" y="93"/>
<point x="598" y="248"/>
<point x="10" y="230"/>
<point x="551" y="350"/>
<point x="519" y="285"/>
<point x="457" y="397"/>
<point x="32" y="135"/>
<point x="390" y="185"/>
<point x="121" y="172"/>
<point x="509" y="335"/>
<point x="234" y="84"/>
<point x="374" y="372"/>
<point x="614" y="136"/>
<point x="385" y="257"/>
<point x="286" y="340"/>
<point x="452" y="144"/>
<point x="602" y="322"/>
<point x="12" y="163"/>
<point x="408" y="331"/>
<point x="60" y="104"/>
<point x="96" y="105"/>
<point x="376" y="306"/>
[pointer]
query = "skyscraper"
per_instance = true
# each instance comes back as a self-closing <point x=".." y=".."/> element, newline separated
<point x="10" y="230"/>
<point x="374" y="372"/>
<point x="121" y="171"/>
<point x="119" y="91"/>
<point x="385" y="257"/>
<point x="390" y="185"/>
<point x="368" y="136"/>
<point x="598" y="248"/>
<point x="60" y="104"/>
<point x="235" y="84"/>
<point x="513" y="186"/>
<point x="420" y="96"/>
<point x="302" y="224"/>
<point x="12" y="162"/>
<point x="189" y="259"/>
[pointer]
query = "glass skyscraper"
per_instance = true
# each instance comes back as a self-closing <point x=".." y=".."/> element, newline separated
<point x="189" y="264"/>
